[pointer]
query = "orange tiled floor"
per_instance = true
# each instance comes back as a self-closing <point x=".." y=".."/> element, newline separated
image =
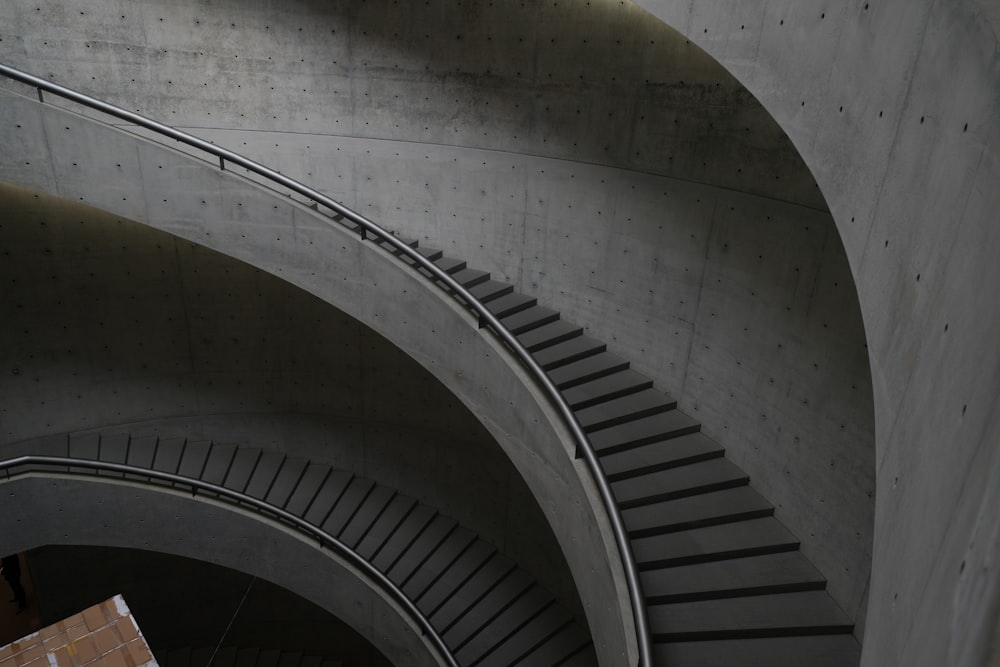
<point x="105" y="634"/>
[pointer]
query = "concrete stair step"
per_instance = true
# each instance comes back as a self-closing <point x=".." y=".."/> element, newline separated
<point x="803" y="651"/>
<point x="268" y="658"/>
<point x="605" y="388"/>
<point x="752" y="537"/>
<point x="654" y="428"/>
<point x="346" y="506"/>
<point x="306" y="488"/>
<point x="241" y="467"/>
<point x="456" y="574"/>
<point x="624" y="409"/>
<point x="289" y="476"/>
<point x="424" y="544"/>
<point x="326" y="496"/>
<point x="467" y="625"/>
<point x="757" y="575"/>
<point x="225" y="657"/>
<point x="437" y="562"/>
<point x="471" y="277"/>
<point x="168" y="454"/>
<point x="784" y="614"/>
<point x="247" y="657"/>
<point x="710" y="475"/>
<point x="490" y="290"/>
<point x="396" y="512"/>
<point x="449" y="264"/>
<point x="519" y="612"/>
<point x="549" y="334"/>
<point x="265" y="474"/>
<point x="585" y="370"/>
<point x="528" y="319"/>
<point x="557" y="649"/>
<point x="220" y="459"/>
<point x="527" y="638"/>
<point x="509" y="304"/>
<point x="472" y="591"/>
<point x="567" y="352"/>
<point x="696" y="511"/>
<point x="663" y="455"/>
<point x="366" y="515"/>
<point x="402" y="537"/>
<point x="430" y="253"/>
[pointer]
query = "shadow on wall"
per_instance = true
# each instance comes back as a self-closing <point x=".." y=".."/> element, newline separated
<point x="602" y="82"/>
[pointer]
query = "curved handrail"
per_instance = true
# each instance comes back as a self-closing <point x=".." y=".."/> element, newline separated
<point x="486" y="318"/>
<point x="324" y="538"/>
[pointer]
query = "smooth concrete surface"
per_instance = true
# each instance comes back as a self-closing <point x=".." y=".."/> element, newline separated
<point x="587" y="153"/>
<point x="220" y="210"/>
<point x="114" y="327"/>
<point x="894" y="106"/>
<point x="40" y="511"/>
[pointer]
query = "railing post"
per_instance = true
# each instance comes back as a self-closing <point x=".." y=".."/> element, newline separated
<point x="40" y="98"/>
<point x="222" y="163"/>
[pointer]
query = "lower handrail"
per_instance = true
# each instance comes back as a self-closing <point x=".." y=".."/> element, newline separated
<point x="486" y="318"/>
<point x="324" y="538"/>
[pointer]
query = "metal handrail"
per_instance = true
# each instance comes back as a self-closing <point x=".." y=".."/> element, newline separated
<point x="324" y="538"/>
<point x="486" y="318"/>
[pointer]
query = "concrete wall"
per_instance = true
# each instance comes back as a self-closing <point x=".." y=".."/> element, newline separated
<point x="40" y="511"/>
<point x="112" y="326"/>
<point x="196" y="201"/>
<point x="894" y="106"/>
<point x="588" y="153"/>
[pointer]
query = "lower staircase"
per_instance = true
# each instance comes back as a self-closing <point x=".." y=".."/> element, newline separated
<point x="724" y="582"/>
<point x="489" y="612"/>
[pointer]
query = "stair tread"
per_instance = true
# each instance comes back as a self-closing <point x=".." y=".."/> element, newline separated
<point x="568" y="351"/>
<point x="284" y="484"/>
<point x="465" y="625"/>
<point x="556" y="649"/>
<point x="718" y="506"/>
<point x="470" y="277"/>
<point x="714" y="542"/>
<point x="366" y="515"/>
<point x="605" y="387"/>
<point x="463" y="568"/>
<point x="395" y="513"/>
<point x="327" y="494"/>
<point x="306" y="488"/>
<point x="587" y="369"/>
<point x="349" y="502"/>
<point x="528" y="637"/>
<point x="241" y="467"/>
<point x="449" y="264"/>
<point x="747" y="616"/>
<point x="489" y="290"/>
<point x="269" y="468"/>
<point x="661" y="426"/>
<point x="438" y="562"/>
<point x="673" y="482"/>
<point x="403" y="536"/>
<point x="625" y="408"/>
<point x="814" y="651"/>
<point x="220" y="457"/>
<point x="520" y="612"/>
<point x="423" y="545"/>
<point x="549" y="334"/>
<point x="529" y="318"/>
<point x="475" y="588"/>
<point x="788" y="570"/>
<point x="660" y="455"/>
<point x="511" y="303"/>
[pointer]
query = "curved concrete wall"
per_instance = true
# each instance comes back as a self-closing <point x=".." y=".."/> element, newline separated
<point x="50" y="510"/>
<point x="894" y="106"/>
<point x="196" y="201"/>
<point x="587" y="153"/>
<point x="115" y="327"/>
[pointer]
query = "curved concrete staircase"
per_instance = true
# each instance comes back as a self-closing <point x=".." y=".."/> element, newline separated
<point x="724" y="582"/>
<point x="488" y="611"/>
